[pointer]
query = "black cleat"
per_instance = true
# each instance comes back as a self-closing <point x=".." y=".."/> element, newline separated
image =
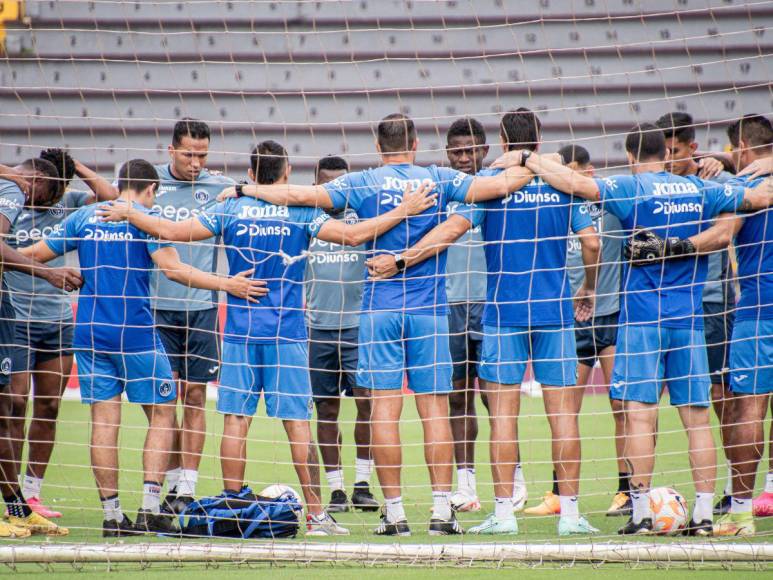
<point x="387" y="528"/>
<point x="339" y="503"/>
<point x="114" y="529"/>
<point x="150" y="523"/>
<point x="449" y="527"/>
<point x="703" y="528"/>
<point x="167" y="506"/>
<point x="722" y="507"/>
<point x="362" y="499"/>
<point x="643" y="528"/>
<point x="178" y="505"/>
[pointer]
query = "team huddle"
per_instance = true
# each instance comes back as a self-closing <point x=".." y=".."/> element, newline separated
<point x="449" y="281"/>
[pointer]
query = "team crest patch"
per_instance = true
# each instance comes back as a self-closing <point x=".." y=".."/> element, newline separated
<point x="165" y="389"/>
<point x="5" y="366"/>
<point x="56" y="210"/>
<point x="201" y="196"/>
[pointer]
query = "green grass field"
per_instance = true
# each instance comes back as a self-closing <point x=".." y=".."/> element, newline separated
<point x="70" y="487"/>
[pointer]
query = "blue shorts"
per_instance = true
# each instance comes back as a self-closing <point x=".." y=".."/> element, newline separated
<point x="466" y="334"/>
<point x="280" y="371"/>
<point x="146" y="377"/>
<point x="507" y="350"/>
<point x="393" y="344"/>
<point x="647" y="355"/>
<point x="751" y="357"/>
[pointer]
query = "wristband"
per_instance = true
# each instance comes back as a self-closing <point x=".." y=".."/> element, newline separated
<point x="239" y="189"/>
<point x="399" y="262"/>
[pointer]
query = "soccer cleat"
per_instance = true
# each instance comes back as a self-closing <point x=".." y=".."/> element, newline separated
<point x="150" y="523"/>
<point x="704" y="528"/>
<point x="643" y="528"/>
<point x="115" y="529"/>
<point x="37" y="524"/>
<point x="520" y="495"/>
<point x="167" y="506"/>
<point x="339" y="503"/>
<point x="550" y="506"/>
<point x="735" y="525"/>
<point x="722" y="506"/>
<point x="387" y="528"/>
<point x="570" y="526"/>
<point x="465" y="501"/>
<point x="491" y="526"/>
<point x="37" y="506"/>
<point x="177" y="505"/>
<point x="621" y="505"/>
<point x="762" y="506"/>
<point x="13" y="532"/>
<point x="324" y="525"/>
<point x="362" y="499"/>
<point x="449" y="527"/>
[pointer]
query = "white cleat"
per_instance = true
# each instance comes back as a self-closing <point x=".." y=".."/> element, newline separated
<point x="324" y="525"/>
<point x="520" y="495"/>
<point x="464" y="501"/>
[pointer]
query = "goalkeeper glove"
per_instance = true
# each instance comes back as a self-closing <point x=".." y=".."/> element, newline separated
<point x="646" y="248"/>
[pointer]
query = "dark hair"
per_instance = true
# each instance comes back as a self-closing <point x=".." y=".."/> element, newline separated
<point x="48" y="172"/>
<point x="646" y="141"/>
<point x="755" y="131"/>
<point x="396" y="133"/>
<point x="677" y="126"/>
<point x="467" y="127"/>
<point x="136" y="175"/>
<point x="331" y="163"/>
<point x="64" y="164"/>
<point x="268" y="161"/>
<point x="187" y="127"/>
<point x="576" y="153"/>
<point x="520" y="129"/>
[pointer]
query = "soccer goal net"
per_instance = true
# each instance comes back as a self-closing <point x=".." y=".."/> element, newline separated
<point x="294" y="92"/>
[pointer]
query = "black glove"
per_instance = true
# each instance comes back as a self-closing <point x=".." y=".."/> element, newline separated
<point x="646" y="248"/>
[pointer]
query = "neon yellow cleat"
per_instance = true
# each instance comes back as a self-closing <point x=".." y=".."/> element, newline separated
<point x="37" y="524"/>
<point x="735" y="525"/>
<point x="621" y="505"/>
<point x="9" y="531"/>
<point x="550" y="506"/>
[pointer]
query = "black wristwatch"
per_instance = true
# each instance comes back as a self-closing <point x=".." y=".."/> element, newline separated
<point x="239" y="189"/>
<point x="400" y="262"/>
<point x="525" y="157"/>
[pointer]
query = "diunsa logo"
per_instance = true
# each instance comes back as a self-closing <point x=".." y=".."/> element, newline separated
<point x="672" y="207"/>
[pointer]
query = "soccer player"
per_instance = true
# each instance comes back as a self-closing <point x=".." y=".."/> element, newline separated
<point x="186" y="318"/>
<point x="34" y="181"/>
<point x="404" y="324"/>
<point x="334" y="277"/>
<point x="596" y="337"/>
<point x="264" y="347"/>
<point x="44" y="328"/>
<point x="116" y="346"/>
<point x="718" y="293"/>
<point x="661" y="326"/>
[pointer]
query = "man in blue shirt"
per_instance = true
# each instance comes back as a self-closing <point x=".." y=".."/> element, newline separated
<point x="661" y="331"/>
<point x="117" y="347"/>
<point x="265" y="343"/>
<point x="404" y="325"/>
<point x="528" y="315"/>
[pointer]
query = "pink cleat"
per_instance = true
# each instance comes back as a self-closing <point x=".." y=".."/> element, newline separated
<point x="762" y="506"/>
<point x="37" y="506"/>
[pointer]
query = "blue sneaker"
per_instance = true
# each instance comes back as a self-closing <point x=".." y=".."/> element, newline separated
<point x="570" y="526"/>
<point x="492" y="525"/>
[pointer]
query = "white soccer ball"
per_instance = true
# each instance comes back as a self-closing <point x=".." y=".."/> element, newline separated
<point x="669" y="511"/>
<point x="278" y="490"/>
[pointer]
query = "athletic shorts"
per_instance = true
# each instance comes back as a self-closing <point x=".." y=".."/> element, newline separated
<point x="191" y="341"/>
<point x="145" y="377"/>
<point x="718" y="325"/>
<point x="465" y="336"/>
<point x="751" y="357"/>
<point x="508" y="349"/>
<point x="394" y="344"/>
<point x="7" y="337"/>
<point x="594" y="336"/>
<point x="647" y="355"/>
<point x="279" y="371"/>
<point x="333" y="361"/>
<point x="38" y="342"/>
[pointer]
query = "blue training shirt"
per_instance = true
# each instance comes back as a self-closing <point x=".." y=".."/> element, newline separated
<point x="669" y="293"/>
<point x="273" y="240"/>
<point x="420" y="289"/>
<point x="754" y="248"/>
<point x="526" y="235"/>
<point x="114" y="313"/>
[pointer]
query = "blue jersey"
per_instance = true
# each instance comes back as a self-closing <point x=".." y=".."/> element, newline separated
<point x="754" y="248"/>
<point x="114" y="313"/>
<point x="669" y="293"/>
<point x="526" y="235"/>
<point x="272" y="240"/>
<point x="420" y="289"/>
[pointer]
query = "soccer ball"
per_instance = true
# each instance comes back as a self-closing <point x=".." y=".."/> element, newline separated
<point x="278" y="490"/>
<point x="669" y="511"/>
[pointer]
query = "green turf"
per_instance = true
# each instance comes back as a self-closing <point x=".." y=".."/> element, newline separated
<point x="70" y="487"/>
